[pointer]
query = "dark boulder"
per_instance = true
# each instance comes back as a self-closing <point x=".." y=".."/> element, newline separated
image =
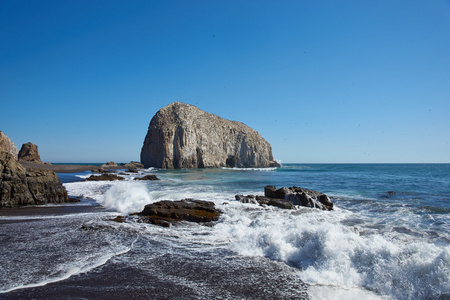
<point x="166" y="212"/>
<point x="99" y="171"/>
<point x="281" y="203"/>
<point x="133" y="165"/>
<point x="288" y="198"/>
<point x="109" y="164"/>
<point x="300" y="196"/>
<point x="104" y="177"/>
<point x="147" y="177"/>
<point x="272" y="192"/>
<point x="388" y="194"/>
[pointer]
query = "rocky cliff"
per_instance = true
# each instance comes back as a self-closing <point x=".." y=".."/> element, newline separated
<point x="20" y="186"/>
<point x="183" y="136"/>
<point x="7" y="145"/>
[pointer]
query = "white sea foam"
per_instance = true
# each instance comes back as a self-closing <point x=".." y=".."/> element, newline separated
<point x="250" y="169"/>
<point x="88" y="189"/>
<point x="321" y="292"/>
<point x="126" y="197"/>
<point x="331" y="254"/>
<point x="69" y="271"/>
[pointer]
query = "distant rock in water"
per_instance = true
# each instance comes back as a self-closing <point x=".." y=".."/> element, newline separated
<point x="287" y="198"/>
<point x="109" y="164"/>
<point x="20" y="186"/>
<point x="104" y="177"/>
<point x="147" y="177"/>
<point x="29" y="152"/>
<point x="183" y="136"/>
<point x="132" y="165"/>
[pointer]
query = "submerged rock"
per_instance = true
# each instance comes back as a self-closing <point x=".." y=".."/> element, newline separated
<point x="109" y="164"/>
<point x="132" y="165"/>
<point x="182" y="136"/>
<point x="388" y="194"/>
<point x="29" y="152"/>
<point x="147" y="177"/>
<point x="99" y="171"/>
<point x="288" y="198"/>
<point x="166" y="212"/>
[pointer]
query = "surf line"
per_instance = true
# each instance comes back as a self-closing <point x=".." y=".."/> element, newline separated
<point x="74" y="271"/>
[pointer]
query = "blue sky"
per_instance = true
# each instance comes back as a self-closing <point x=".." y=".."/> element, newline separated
<point x="322" y="81"/>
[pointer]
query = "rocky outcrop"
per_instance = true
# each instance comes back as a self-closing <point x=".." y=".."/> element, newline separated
<point x="45" y="187"/>
<point x="20" y="186"/>
<point x="261" y="200"/>
<point x="147" y="177"/>
<point x="104" y="177"/>
<point x="166" y="212"/>
<point x="288" y="198"/>
<point x="183" y="136"/>
<point x="8" y="146"/>
<point x="29" y="152"/>
<point x="109" y="164"/>
<point x="133" y="165"/>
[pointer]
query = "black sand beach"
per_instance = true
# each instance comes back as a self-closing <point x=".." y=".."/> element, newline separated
<point x="65" y="168"/>
<point x="150" y="269"/>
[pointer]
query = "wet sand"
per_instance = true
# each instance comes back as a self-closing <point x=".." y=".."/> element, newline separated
<point x="65" y="168"/>
<point x="151" y="269"/>
<point x="50" y="210"/>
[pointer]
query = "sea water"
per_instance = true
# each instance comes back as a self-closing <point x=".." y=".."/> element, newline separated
<point x="388" y="237"/>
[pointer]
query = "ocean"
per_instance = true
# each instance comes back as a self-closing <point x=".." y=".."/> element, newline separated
<point x="388" y="238"/>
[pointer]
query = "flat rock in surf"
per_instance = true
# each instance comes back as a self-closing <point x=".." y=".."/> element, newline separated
<point x="104" y="177"/>
<point x="147" y="177"/>
<point x="288" y="198"/>
<point x="132" y="165"/>
<point x="166" y="212"/>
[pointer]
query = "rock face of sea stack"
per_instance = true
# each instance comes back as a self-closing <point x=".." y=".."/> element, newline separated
<point x="183" y="136"/>
<point x="20" y="186"/>
<point x="29" y="152"/>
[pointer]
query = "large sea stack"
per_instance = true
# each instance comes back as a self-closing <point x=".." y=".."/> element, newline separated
<point x="182" y="136"/>
<point x="20" y="186"/>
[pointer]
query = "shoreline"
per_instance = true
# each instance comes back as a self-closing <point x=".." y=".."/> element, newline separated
<point x="66" y="168"/>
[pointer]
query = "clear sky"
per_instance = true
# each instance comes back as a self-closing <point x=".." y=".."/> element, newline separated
<point x="323" y="81"/>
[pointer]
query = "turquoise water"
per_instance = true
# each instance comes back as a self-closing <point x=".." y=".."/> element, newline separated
<point x="423" y="186"/>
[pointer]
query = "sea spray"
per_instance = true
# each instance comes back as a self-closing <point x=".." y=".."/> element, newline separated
<point x="58" y="247"/>
<point x="394" y="244"/>
<point x="126" y="197"/>
<point x="331" y="254"/>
